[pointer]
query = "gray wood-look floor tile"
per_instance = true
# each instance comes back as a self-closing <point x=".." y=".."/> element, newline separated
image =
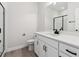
<point x="24" y="52"/>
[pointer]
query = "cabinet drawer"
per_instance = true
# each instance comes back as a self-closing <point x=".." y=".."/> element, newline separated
<point x="68" y="49"/>
<point x="49" y="41"/>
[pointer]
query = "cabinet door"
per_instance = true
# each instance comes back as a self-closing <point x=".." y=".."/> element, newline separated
<point x="41" y="45"/>
<point x="36" y="46"/>
<point x="51" y="52"/>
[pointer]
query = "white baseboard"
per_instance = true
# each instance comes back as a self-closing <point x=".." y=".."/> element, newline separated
<point x="17" y="47"/>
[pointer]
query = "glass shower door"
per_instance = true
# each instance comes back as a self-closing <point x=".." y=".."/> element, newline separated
<point x="1" y="29"/>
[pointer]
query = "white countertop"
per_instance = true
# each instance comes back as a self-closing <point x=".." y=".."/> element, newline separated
<point x="63" y="37"/>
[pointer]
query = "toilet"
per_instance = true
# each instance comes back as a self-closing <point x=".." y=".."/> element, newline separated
<point x="30" y="44"/>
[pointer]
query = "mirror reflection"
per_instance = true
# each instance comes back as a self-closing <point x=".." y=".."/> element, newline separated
<point x="71" y="21"/>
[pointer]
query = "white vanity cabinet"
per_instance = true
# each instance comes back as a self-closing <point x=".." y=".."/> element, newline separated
<point x="53" y="46"/>
<point x="44" y="48"/>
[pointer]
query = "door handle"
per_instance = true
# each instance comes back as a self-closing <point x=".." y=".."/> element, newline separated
<point x="0" y="30"/>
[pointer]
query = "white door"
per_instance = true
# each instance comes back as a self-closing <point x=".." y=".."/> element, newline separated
<point x="51" y="52"/>
<point x="1" y="29"/>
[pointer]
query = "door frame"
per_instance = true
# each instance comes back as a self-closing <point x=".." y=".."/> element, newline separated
<point x="3" y="28"/>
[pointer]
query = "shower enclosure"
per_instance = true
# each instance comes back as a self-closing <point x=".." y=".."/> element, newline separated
<point x="2" y="29"/>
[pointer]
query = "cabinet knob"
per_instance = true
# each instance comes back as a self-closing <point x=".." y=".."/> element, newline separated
<point x="35" y="35"/>
<point x="0" y="41"/>
<point x="60" y="56"/>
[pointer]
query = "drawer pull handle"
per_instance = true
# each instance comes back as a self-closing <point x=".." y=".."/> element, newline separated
<point x="71" y="52"/>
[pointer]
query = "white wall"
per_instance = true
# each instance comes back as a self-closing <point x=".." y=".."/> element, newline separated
<point x="22" y="18"/>
<point x="41" y="16"/>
